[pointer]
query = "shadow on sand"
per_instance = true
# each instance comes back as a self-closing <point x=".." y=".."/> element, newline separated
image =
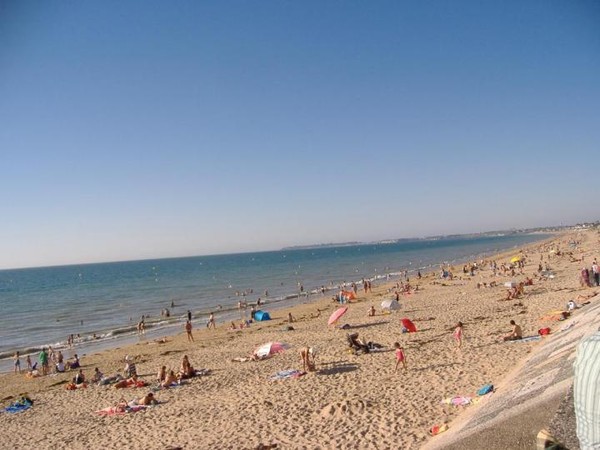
<point x="338" y="368"/>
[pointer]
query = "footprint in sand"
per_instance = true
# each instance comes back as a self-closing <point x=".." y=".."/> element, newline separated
<point x="345" y="408"/>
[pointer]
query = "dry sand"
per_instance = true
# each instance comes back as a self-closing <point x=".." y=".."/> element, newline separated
<point x="351" y="401"/>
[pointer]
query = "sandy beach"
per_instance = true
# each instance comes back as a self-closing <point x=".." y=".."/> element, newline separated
<point x="351" y="401"/>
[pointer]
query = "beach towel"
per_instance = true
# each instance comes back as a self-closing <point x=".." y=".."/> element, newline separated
<point x="285" y="374"/>
<point x="160" y="387"/>
<point x="457" y="401"/>
<point x="23" y="404"/>
<point x="437" y="429"/>
<point x="137" y="383"/>
<point x="527" y="339"/>
<point x="486" y="389"/>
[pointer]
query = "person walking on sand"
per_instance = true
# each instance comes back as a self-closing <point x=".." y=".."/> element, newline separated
<point x="211" y="321"/>
<point x="400" y="357"/>
<point x="458" y="335"/>
<point x="188" y="330"/>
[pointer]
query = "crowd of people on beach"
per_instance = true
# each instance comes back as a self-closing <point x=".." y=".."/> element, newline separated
<point x="51" y="361"/>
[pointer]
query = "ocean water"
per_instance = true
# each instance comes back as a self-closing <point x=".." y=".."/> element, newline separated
<point x="42" y="306"/>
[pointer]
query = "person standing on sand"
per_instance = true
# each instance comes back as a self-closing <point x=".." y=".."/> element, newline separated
<point x="400" y="357"/>
<point x="43" y="358"/>
<point x="17" y="359"/>
<point x="308" y="359"/>
<point x="28" y="360"/>
<point x="458" y="335"/>
<point x="596" y="273"/>
<point x="188" y="330"/>
<point x="585" y="277"/>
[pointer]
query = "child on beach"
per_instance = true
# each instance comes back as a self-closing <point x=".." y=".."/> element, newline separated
<point x="400" y="357"/>
<point x="458" y="335"/>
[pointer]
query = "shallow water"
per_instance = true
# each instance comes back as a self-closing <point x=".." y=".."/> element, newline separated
<point x="42" y="306"/>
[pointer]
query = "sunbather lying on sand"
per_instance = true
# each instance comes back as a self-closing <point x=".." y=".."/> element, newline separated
<point x="146" y="400"/>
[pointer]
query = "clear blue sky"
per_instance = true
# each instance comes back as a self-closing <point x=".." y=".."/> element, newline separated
<point x="145" y="129"/>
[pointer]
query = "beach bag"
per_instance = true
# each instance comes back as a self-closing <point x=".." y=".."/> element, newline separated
<point x="485" y="389"/>
<point x="544" y="331"/>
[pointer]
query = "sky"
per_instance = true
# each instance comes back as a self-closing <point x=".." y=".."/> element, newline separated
<point x="143" y="129"/>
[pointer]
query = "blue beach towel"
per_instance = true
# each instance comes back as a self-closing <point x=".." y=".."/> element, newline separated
<point x="284" y="374"/>
<point x="20" y="405"/>
<point x="485" y="389"/>
<point x="527" y="339"/>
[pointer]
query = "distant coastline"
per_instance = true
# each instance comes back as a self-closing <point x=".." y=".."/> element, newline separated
<point x="545" y="230"/>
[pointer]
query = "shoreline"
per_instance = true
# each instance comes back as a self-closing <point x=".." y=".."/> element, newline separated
<point x="164" y="327"/>
<point x="349" y="393"/>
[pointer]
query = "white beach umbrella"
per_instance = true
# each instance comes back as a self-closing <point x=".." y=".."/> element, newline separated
<point x="392" y="305"/>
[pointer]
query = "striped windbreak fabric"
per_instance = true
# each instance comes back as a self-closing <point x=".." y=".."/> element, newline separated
<point x="586" y="392"/>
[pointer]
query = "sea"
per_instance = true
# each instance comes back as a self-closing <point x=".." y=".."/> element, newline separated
<point x="101" y="304"/>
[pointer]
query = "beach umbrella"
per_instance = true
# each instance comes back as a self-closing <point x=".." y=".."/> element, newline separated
<point x="515" y="259"/>
<point x="336" y="315"/>
<point x="407" y="323"/>
<point x="270" y="348"/>
<point x="392" y="304"/>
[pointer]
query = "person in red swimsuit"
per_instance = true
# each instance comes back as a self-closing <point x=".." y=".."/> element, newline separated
<point x="400" y="357"/>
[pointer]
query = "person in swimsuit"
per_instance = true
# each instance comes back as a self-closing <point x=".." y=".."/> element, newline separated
<point x="458" y="335"/>
<point x="17" y="359"/>
<point x="400" y="357"/>
<point x="188" y="330"/>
